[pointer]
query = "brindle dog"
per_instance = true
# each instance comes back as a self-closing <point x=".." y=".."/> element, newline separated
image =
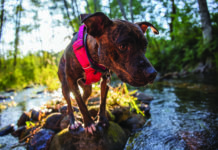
<point x="118" y="45"/>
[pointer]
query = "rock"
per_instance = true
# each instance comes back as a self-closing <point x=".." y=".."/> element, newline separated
<point x="41" y="140"/>
<point x="65" y="122"/>
<point x="113" y="138"/>
<point x="134" y="122"/>
<point x="19" y="131"/>
<point x="40" y="92"/>
<point x="23" y="118"/>
<point x="145" y="109"/>
<point x="63" y="110"/>
<point x="93" y="111"/>
<point x="28" y="87"/>
<point x="121" y="114"/>
<point x="2" y="97"/>
<point x="7" y="129"/>
<point x="53" y="122"/>
<point x="36" y="115"/>
<point x="143" y="97"/>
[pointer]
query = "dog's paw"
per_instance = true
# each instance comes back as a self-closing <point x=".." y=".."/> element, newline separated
<point x="76" y="125"/>
<point x="90" y="129"/>
<point x="103" y="122"/>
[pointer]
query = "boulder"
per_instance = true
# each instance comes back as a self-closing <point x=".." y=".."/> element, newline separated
<point x="112" y="138"/>
<point x="41" y="140"/>
<point x="53" y="121"/>
<point x="7" y="129"/>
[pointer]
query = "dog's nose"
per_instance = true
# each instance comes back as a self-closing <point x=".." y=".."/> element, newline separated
<point x="150" y="74"/>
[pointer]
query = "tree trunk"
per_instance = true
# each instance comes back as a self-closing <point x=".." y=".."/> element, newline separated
<point x="17" y="30"/>
<point x="75" y="11"/>
<point x="131" y="12"/>
<point x="87" y="5"/>
<point x="2" y="17"/>
<point x="122" y="9"/>
<point x="172" y="17"/>
<point x="68" y="14"/>
<point x="95" y="5"/>
<point x="205" y="21"/>
<point x="1" y="26"/>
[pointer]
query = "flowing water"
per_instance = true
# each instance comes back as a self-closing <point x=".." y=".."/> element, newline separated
<point x="184" y="114"/>
<point x="31" y="98"/>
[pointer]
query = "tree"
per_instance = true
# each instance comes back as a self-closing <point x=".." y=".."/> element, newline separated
<point x="205" y="21"/>
<point x="122" y="9"/>
<point x="19" y="9"/>
<point x="131" y="11"/>
<point x="172" y="16"/>
<point x="2" y="17"/>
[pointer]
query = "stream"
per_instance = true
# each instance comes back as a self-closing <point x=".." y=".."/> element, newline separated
<point x="184" y="114"/>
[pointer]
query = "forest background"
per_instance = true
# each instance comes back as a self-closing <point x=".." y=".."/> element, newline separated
<point x="34" y="33"/>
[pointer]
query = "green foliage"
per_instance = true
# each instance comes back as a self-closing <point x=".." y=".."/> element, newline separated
<point x="39" y="68"/>
<point x="123" y="97"/>
<point x="186" y="49"/>
<point x="30" y="124"/>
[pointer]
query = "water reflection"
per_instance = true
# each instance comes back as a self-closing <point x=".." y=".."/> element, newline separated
<point x="183" y="116"/>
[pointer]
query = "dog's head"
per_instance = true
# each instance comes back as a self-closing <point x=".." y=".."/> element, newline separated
<point x="121" y="47"/>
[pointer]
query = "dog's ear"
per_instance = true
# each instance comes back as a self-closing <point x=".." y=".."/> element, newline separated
<point x="96" y="23"/>
<point x="144" y="26"/>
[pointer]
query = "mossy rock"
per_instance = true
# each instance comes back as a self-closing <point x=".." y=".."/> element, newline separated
<point x="112" y="138"/>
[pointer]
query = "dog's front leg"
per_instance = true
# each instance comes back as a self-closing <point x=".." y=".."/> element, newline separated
<point x="88" y="122"/>
<point x="102" y="120"/>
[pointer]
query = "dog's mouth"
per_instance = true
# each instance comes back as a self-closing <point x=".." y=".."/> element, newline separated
<point x="136" y="82"/>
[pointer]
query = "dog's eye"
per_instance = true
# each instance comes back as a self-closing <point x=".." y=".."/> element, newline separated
<point x="123" y="47"/>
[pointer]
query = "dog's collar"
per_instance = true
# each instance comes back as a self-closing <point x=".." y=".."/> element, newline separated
<point x="93" y="71"/>
<point x="94" y="65"/>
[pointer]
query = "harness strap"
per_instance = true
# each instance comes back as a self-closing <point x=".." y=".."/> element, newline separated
<point x="92" y="74"/>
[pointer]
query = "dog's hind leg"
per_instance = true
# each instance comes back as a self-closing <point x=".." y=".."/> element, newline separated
<point x="87" y="90"/>
<point x="66" y="93"/>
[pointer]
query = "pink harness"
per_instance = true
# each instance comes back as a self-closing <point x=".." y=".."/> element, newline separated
<point x="92" y="75"/>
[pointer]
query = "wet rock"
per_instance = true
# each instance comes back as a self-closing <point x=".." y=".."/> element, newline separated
<point x="199" y="140"/>
<point x="2" y="97"/>
<point x="113" y="138"/>
<point x="40" y="92"/>
<point x="143" y="97"/>
<point x="145" y="109"/>
<point x="7" y="129"/>
<point x="36" y="115"/>
<point x="23" y="118"/>
<point x="19" y="131"/>
<point x="53" y="121"/>
<point x="134" y="122"/>
<point x="41" y="140"/>
<point x="28" y="87"/>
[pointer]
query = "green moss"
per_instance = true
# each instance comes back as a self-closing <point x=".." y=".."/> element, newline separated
<point x="115" y="132"/>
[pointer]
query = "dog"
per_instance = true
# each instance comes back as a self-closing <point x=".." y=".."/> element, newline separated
<point x="116" y="46"/>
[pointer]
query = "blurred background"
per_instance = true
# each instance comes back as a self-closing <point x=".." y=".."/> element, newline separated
<point x="34" y="33"/>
